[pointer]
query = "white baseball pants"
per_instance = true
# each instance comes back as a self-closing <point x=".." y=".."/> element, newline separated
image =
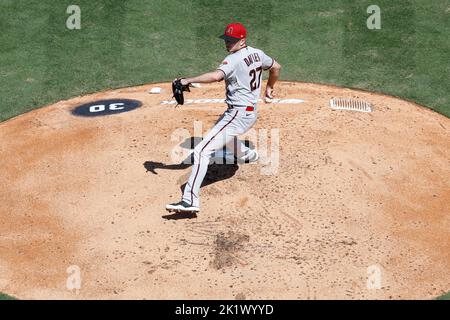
<point x="234" y="122"/>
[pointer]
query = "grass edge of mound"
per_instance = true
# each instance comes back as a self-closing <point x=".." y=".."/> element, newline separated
<point x="333" y="85"/>
<point x="4" y="296"/>
<point x="444" y="296"/>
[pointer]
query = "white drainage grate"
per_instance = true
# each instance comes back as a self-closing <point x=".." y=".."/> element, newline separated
<point x="350" y="104"/>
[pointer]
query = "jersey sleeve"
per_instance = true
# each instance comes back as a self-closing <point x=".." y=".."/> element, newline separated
<point x="226" y="67"/>
<point x="267" y="62"/>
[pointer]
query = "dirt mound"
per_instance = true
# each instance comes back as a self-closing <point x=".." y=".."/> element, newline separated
<point x="349" y="196"/>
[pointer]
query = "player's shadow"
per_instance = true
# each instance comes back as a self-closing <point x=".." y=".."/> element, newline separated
<point x="217" y="171"/>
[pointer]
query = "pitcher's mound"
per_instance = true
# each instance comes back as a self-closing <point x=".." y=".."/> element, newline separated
<point x="342" y="204"/>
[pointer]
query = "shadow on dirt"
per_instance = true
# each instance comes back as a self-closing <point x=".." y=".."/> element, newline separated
<point x="180" y="216"/>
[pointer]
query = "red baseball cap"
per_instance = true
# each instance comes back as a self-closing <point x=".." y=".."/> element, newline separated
<point x="234" y="32"/>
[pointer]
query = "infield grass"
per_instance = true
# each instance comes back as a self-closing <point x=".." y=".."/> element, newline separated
<point x="134" y="42"/>
<point x="6" y="297"/>
<point x="444" y="297"/>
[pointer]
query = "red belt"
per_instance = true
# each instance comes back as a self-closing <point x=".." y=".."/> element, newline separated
<point x="247" y="108"/>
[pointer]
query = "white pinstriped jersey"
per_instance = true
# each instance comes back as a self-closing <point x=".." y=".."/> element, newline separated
<point x="243" y="75"/>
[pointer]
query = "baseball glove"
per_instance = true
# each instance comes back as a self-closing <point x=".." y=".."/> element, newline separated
<point x="178" y="89"/>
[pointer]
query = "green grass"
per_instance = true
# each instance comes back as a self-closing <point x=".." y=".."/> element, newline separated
<point x="125" y="43"/>
<point x="444" y="297"/>
<point x="6" y="297"/>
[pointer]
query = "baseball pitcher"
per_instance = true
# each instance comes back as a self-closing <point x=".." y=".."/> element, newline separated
<point x="242" y="71"/>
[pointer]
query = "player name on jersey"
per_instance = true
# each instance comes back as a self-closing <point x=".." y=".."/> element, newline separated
<point x="252" y="58"/>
